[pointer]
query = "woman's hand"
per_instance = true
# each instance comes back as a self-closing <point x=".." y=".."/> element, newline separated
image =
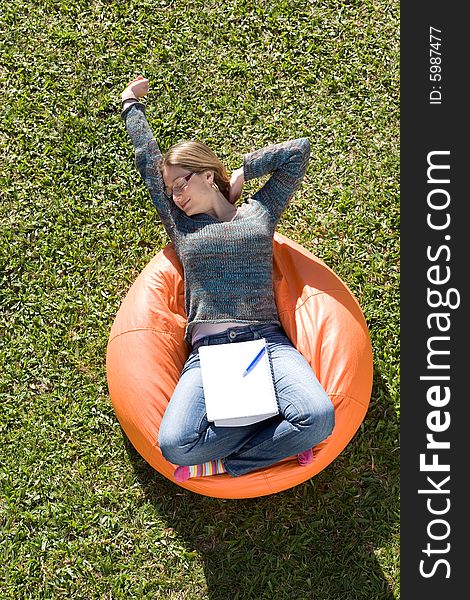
<point x="236" y="185"/>
<point x="137" y="88"/>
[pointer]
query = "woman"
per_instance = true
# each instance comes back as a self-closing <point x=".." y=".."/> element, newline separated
<point x="226" y="253"/>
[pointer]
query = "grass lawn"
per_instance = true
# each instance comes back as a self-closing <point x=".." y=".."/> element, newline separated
<point x="82" y="515"/>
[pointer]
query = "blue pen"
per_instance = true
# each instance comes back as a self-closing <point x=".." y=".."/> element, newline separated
<point x="254" y="361"/>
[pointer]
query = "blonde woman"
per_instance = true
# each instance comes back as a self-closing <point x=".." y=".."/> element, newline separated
<point x="226" y="253"/>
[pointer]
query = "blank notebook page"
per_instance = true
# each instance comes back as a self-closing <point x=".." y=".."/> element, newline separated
<point x="232" y="399"/>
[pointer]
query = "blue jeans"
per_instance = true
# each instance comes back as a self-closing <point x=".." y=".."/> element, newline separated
<point x="306" y="414"/>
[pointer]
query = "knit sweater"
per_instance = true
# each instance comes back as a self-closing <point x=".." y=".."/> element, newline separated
<point x="228" y="265"/>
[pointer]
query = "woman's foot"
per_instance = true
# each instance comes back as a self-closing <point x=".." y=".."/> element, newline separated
<point x="213" y="467"/>
<point x="305" y="458"/>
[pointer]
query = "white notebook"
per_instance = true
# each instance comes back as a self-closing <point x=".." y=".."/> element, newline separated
<point x="231" y="398"/>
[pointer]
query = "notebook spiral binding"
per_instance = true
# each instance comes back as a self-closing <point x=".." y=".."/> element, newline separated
<point x="268" y="352"/>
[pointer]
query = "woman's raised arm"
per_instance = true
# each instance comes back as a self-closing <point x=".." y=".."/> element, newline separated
<point x="147" y="152"/>
<point x="287" y="163"/>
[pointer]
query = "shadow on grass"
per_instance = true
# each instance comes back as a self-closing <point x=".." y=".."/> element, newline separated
<point x="322" y="539"/>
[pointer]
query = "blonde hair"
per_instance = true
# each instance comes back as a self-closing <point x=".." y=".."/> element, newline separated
<point x="197" y="157"/>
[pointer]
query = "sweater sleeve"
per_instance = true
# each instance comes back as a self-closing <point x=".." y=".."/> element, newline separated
<point x="287" y="162"/>
<point x="147" y="158"/>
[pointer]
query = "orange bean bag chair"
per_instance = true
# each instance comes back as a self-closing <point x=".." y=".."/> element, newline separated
<point x="146" y="352"/>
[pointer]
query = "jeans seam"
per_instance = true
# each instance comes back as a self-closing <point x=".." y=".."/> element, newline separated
<point x="268" y="442"/>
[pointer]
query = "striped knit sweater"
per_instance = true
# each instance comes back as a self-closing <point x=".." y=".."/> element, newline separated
<point x="228" y="266"/>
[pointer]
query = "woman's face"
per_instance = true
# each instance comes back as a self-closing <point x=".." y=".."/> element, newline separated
<point x="190" y="191"/>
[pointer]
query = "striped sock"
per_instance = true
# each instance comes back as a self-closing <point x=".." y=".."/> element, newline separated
<point x="213" y="467"/>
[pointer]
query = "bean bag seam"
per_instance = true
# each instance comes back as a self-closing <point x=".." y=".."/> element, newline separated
<point x="268" y="484"/>
<point x="318" y="293"/>
<point x="347" y="396"/>
<point x="137" y="329"/>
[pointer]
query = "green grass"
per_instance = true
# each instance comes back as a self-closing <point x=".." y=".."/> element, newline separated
<point x="81" y="514"/>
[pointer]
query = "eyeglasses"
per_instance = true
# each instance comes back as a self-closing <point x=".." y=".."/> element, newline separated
<point x="180" y="185"/>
